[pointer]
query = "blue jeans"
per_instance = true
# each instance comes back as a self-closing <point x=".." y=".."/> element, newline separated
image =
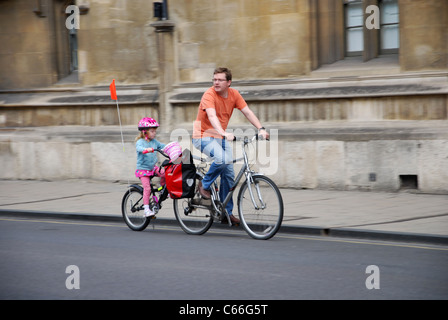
<point x="221" y="152"/>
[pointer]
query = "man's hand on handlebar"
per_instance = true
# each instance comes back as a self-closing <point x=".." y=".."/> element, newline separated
<point x="228" y="136"/>
<point x="263" y="134"/>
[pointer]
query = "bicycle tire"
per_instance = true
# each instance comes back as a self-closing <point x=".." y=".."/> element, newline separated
<point x="262" y="223"/>
<point x="193" y="219"/>
<point x="132" y="209"/>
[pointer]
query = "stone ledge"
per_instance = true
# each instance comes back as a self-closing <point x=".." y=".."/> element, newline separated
<point x="326" y="155"/>
<point x="259" y="90"/>
<point x="299" y="131"/>
<point x="320" y="93"/>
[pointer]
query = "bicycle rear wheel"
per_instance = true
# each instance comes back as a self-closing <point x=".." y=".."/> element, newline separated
<point x="263" y="221"/>
<point x="193" y="217"/>
<point x="133" y="211"/>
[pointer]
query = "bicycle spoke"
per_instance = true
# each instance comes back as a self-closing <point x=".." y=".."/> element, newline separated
<point x="193" y="218"/>
<point x="263" y="219"/>
<point x="132" y="210"/>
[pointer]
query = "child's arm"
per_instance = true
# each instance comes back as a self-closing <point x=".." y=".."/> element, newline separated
<point x="140" y="148"/>
<point x="160" y="145"/>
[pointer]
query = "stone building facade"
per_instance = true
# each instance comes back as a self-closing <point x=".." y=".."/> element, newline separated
<point x="259" y="39"/>
<point x="359" y="86"/>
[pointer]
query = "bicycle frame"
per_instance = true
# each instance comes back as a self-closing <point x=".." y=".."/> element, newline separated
<point x="215" y="199"/>
<point x="245" y="170"/>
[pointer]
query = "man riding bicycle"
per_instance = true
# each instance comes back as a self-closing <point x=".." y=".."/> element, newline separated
<point x="210" y="136"/>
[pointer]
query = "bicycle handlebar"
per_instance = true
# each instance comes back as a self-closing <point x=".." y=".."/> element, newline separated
<point x="246" y="139"/>
<point x="156" y="150"/>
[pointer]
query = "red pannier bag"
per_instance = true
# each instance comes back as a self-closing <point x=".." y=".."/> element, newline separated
<point x="180" y="176"/>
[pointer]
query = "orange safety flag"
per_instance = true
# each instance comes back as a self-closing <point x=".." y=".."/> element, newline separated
<point x="113" y="90"/>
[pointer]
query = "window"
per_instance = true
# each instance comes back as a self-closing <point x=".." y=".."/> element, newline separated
<point x="354" y="23"/>
<point x="369" y="43"/>
<point x="389" y="27"/>
<point x="338" y="30"/>
<point x="73" y="43"/>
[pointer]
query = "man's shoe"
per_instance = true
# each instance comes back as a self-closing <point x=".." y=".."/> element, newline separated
<point x="235" y="221"/>
<point x="204" y="193"/>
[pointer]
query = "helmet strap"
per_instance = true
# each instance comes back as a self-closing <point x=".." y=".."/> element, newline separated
<point x="145" y="134"/>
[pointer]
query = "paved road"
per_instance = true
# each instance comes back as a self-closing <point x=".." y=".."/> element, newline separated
<point x="164" y="263"/>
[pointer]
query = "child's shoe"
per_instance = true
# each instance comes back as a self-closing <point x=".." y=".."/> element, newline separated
<point x="148" y="211"/>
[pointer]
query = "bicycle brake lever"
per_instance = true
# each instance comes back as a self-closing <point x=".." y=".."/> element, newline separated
<point x="260" y="137"/>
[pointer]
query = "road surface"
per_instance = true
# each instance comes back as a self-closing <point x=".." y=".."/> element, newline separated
<point x="68" y="259"/>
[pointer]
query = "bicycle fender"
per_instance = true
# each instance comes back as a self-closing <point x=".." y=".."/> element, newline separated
<point x="255" y="175"/>
<point x="136" y="186"/>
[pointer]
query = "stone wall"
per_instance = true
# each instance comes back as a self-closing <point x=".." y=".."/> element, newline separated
<point x="423" y="35"/>
<point x="27" y="58"/>
<point x="369" y="156"/>
<point x="430" y="107"/>
<point x="257" y="39"/>
<point x="422" y="96"/>
<point x="116" y="41"/>
<point x="343" y="123"/>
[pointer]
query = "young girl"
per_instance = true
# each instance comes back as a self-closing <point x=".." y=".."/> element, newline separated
<point x="145" y="143"/>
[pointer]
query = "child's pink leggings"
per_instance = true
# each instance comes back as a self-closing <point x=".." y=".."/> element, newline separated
<point x="147" y="185"/>
<point x="146" y="189"/>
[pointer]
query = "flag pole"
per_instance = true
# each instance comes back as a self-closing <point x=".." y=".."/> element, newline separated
<point x="113" y="95"/>
<point x="121" y="129"/>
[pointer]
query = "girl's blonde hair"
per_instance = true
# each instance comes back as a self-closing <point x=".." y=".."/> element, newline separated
<point x="140" y="136"/>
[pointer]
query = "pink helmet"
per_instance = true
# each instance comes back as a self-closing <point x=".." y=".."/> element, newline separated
<point x="146" y="123"/>
<point x="173" y="150"/>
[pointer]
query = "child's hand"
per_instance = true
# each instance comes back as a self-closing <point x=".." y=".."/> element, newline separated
<point x="147" y="150"/>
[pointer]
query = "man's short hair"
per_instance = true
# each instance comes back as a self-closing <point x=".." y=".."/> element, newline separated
<point x="226" y="71"/>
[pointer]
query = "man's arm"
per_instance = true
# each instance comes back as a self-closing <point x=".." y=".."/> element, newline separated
<point x="213" y="118"/>
<point x="250" y="115"/>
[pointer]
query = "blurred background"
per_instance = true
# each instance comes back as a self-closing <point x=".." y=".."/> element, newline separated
<point x="356" y="107"/>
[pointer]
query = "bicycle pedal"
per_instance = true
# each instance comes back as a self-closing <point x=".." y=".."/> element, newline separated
<point x="201" y="201"/>
<point x="225" y="221"/>
<point x="206" y="202"/>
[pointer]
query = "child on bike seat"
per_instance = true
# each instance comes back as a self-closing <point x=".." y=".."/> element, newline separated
<point x="145" y="143"/>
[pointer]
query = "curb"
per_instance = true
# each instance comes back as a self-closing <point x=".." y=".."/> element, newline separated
<point x="304" y="230"/>
<point x="367" y="234"/>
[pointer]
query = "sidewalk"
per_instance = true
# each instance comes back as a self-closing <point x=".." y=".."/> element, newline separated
<point x="394" y="216"/>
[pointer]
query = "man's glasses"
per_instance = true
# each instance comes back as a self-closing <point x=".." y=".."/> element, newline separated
<point x="219" y="80"/>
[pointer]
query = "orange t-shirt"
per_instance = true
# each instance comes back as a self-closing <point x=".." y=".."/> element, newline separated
<point x="224" y="109"/>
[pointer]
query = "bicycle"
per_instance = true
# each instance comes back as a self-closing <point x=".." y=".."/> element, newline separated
<point x="132" y="205"/>
<point x="260" y="204"/>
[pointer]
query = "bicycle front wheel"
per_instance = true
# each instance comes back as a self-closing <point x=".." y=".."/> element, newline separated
<point x="133" y="211"/>
<point x="260" y="206"/>
<point x="193" y="218"/>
